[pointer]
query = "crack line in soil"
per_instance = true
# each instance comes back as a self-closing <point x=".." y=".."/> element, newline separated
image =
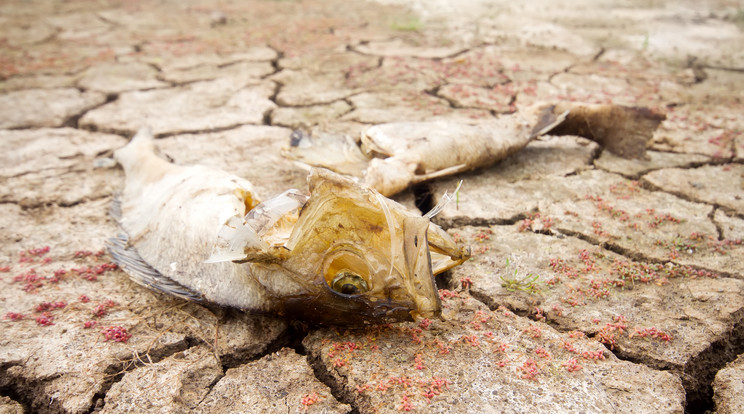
<point x="648" y="185"/>
<point x="338" y="390"/>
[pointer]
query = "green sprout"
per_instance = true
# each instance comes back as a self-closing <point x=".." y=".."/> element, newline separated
<point x="410" y="25"/>
<point x="644" y="46"/>
<point x="529" y="284"/>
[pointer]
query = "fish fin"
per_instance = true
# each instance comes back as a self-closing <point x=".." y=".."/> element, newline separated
<point x="115" y="208"/>
<point x="264" y="215"/>
<point x="336" y="152"/>
<point x="234" y="240"/>
<point x="142" y="143"/>
<point x="624" y="131"/>
<point x="446" y="198"/>
<point x="242" y="238"/>
<point x="455" y="169"/>
<point x="140" y="162"/>
<point x="547" y="121"/>
<point x="129" y="260"/>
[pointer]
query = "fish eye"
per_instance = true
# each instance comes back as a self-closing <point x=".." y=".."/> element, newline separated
<point x="349" y="283"/>
<point x="347" y="272"/>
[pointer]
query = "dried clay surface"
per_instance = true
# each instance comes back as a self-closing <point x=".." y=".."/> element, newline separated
<point x="597" y="283"/>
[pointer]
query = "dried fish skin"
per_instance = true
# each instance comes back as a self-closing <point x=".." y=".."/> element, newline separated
<point x="169" y="216"/>
<point x="420" y="151"/>
<point x="337" y="152"/>
<point x="430" y="150"/>
<point x="345" y="255"/>
<point x="401" y="154"/>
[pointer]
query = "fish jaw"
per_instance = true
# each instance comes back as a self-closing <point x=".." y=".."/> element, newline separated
<point x="444" y="251"/>
<point x="332" y="309"/>
<point x="419" y="273"/>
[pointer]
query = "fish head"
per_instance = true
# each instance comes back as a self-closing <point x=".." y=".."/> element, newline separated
<point x="364" y="258"/>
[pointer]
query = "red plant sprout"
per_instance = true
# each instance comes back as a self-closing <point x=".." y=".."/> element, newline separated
<point x="447" y="294"/>
<point x="425" y="323"/>
<point x="102" y="308"/>
<point x="596" y="355"/>
<point x="466" y="283"/>
<point x="90" y="324"/>
<point x="534" y="331"/>
<point x="57" y="275"/>
<point x="572" y="365"/>
<point x="569" y="346"/>
<point x="383" y="386"/>
<point x="415" y="335"/>
<point x="32" y="281"/>
<point x="543" y="353"/>
<point x="652" y="332"/>
<point x="116" y="333"/>
<point x="46" y="319"/>
<point x="419" y="361"/>
<point x="444" y="349"/>
<point x="48" y="306"/>
<point x="405" y="404"/>
<point x="529" y="370"/>
<point x="505" y="311"/>
<point x="14" y="316"/>
<point x="310" y="399"/>
<point x="471" y="339"/>
<point x="434" y="387"/>
<point x="539" y="314"/>
<point x="37" y="252"/>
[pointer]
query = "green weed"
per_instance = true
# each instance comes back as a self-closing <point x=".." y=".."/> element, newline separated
<point x="409" y="25"/>
<point x="530" y="283"/>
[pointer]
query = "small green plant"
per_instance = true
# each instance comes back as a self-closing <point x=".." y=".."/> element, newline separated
<point x="737" y="17"/>
<point x="409" y="25"/>
<point x="529" y="283"/>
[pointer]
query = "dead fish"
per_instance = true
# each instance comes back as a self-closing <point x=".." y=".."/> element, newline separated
<point x="394" y="156"/>
<point x="344" y="255"/>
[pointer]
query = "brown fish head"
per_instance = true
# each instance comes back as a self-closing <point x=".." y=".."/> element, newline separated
<point x="344" y="256"/>
<point x="364" y="258"/>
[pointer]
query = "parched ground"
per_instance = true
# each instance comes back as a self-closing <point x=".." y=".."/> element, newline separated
<point x="598" y="284"/>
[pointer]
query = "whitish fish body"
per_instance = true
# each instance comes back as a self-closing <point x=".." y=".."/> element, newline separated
<point x="344" y="256"/>
<point x="394" y="156"/>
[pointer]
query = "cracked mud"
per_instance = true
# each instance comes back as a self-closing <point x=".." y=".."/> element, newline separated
<point x="598" y="283"/>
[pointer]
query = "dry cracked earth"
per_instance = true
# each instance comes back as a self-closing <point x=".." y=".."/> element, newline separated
<point x="598" y="284"/>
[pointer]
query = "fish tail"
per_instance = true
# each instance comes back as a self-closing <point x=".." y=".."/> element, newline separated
<point x="139" y="160"/>
<point x="139" y="148"/>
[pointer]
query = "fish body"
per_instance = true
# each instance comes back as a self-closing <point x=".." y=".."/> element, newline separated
<point x="345" y="255"/>
<point x="394" y="156"/>
<point x="436" y="148"/>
